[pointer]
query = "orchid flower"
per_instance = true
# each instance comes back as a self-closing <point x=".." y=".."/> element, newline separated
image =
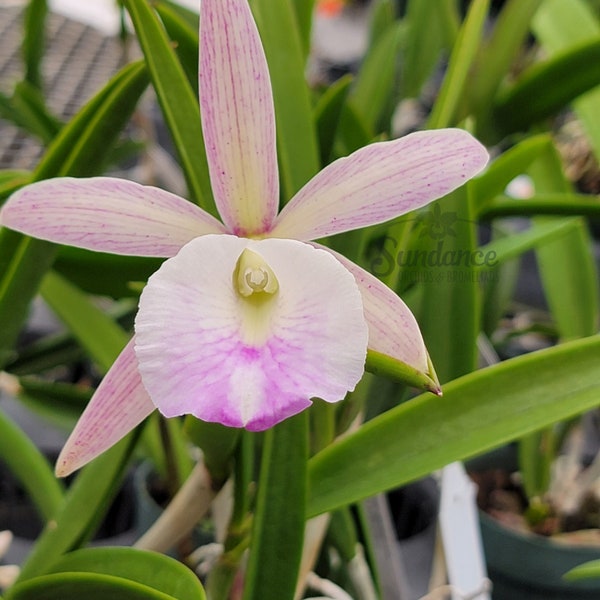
<point x="248" y="319"/>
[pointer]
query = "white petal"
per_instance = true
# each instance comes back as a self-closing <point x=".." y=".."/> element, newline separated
<point x="119" y="404"/>
<point x="203" y="350"/>
<point x="238" y="119"/>
<point x="393" y="329"/>
<point x="108" y="215"/>
<point x="380" y="182"/>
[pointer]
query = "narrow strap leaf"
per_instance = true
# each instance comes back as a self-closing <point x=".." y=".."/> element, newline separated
<point x="177" y="100"/>
<point x="477" y="412"/>
<point x="30" y="467"/>
<point x="278" y="530"/>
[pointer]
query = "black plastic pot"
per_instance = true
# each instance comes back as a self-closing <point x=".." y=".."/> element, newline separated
<point x="531" y="567"/>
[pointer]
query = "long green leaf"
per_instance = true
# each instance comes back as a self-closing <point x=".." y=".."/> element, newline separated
<point x="28" y="261"/>
<point x="499" y="52"/>
<point x="177" y="100"/>
<point x="588" y="570"/>
<point x="185" y="37"/>
<point x="74" y="586"/>
<point x="372" y="95"/>
<point x="84" y="507"/>
<point x="463" y="55"/>
<point x="536" y="94"/>
<point x="431" y="29"/>
<point x="154" y="570"/>
<point x="105" y="274"/>
<point x="328" y="112"/>
<point x="451" y="340"/>
<point x="78" y="150"/>
<point x="82" y="146"/>
<point x="543" y="204"/>
<point x="478" y="412"/>
<point x="512" y="246"/>
<point x="506" y="167"/>
<point x="278" y="530"/>
<point x="33" y="40"/>
<point x="99" y="335"/>
<point x="30" y="467"/>
<point x="10" y="181"/>
<point x="560" y="24"/>
<point x="56" y="402"/>
<point x="304" y="16"/>
<point x="296" y="138"/>
<point x="33" y="113"/>
<point x="567" y="267"/>
<point x="90" y="495"/>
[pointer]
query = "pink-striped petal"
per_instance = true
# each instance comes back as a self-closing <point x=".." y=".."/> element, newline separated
<point x="119" y="404"/>
<point x="238" y="117"/>
<point x="393" y="329"/>
<point x="108" y="215"/>
<point x="204" y="349"/>
<point x="380" y="182"/>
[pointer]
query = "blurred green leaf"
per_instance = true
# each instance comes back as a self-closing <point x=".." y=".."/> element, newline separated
<point x="161" y="573"/>
<point x="26" y="262"/>
<point x="515" y="161"/>
<point x="278" y="528"/>
<point x="588" y="570"/>
<point x="11" y="181"/>
<point x="536" y="454"/>
<point x="177" y="100"/>
<point x="34" y="40"/>
<point x="383" y="15"/>
<point x="185" y="37"/>
<point x="353" y="132"/>
<point x="30" y="467"/>
<point x="191" y="17"/>
<point x="559" y="25"/>
<point x="432" y="28"/>
<point x="34" y="115"/>
<point x="328" y="113"/>
<point x="567" y="267"/>
<point x="296" y="136"/>
<point x="78" y="150"/>
<point x="56" y="402"/>
<point x="456" y="80"/>
<point x="91" y="494"/>
<point x="217" y="442"/>
<point x="98" y="334"/>
<point x="543" y="204"/>
<point x="536" y="95"/>
<point x="451" y="340"/>
<point x="105" y="274"/>
<point x="26" y="108"/>
<point x="479" y="411"/>
<point x="372" y="95"/>
<point x="499" y="52"/>
<point x="74" y="586"/>
<point x="303" y="10"/>
<point x="512" y="246"/>
<point x="83" y="145"/>
<point x="84" y="507"/>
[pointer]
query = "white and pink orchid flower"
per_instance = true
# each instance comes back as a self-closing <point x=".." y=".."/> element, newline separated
<point x="246" y="321"/>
